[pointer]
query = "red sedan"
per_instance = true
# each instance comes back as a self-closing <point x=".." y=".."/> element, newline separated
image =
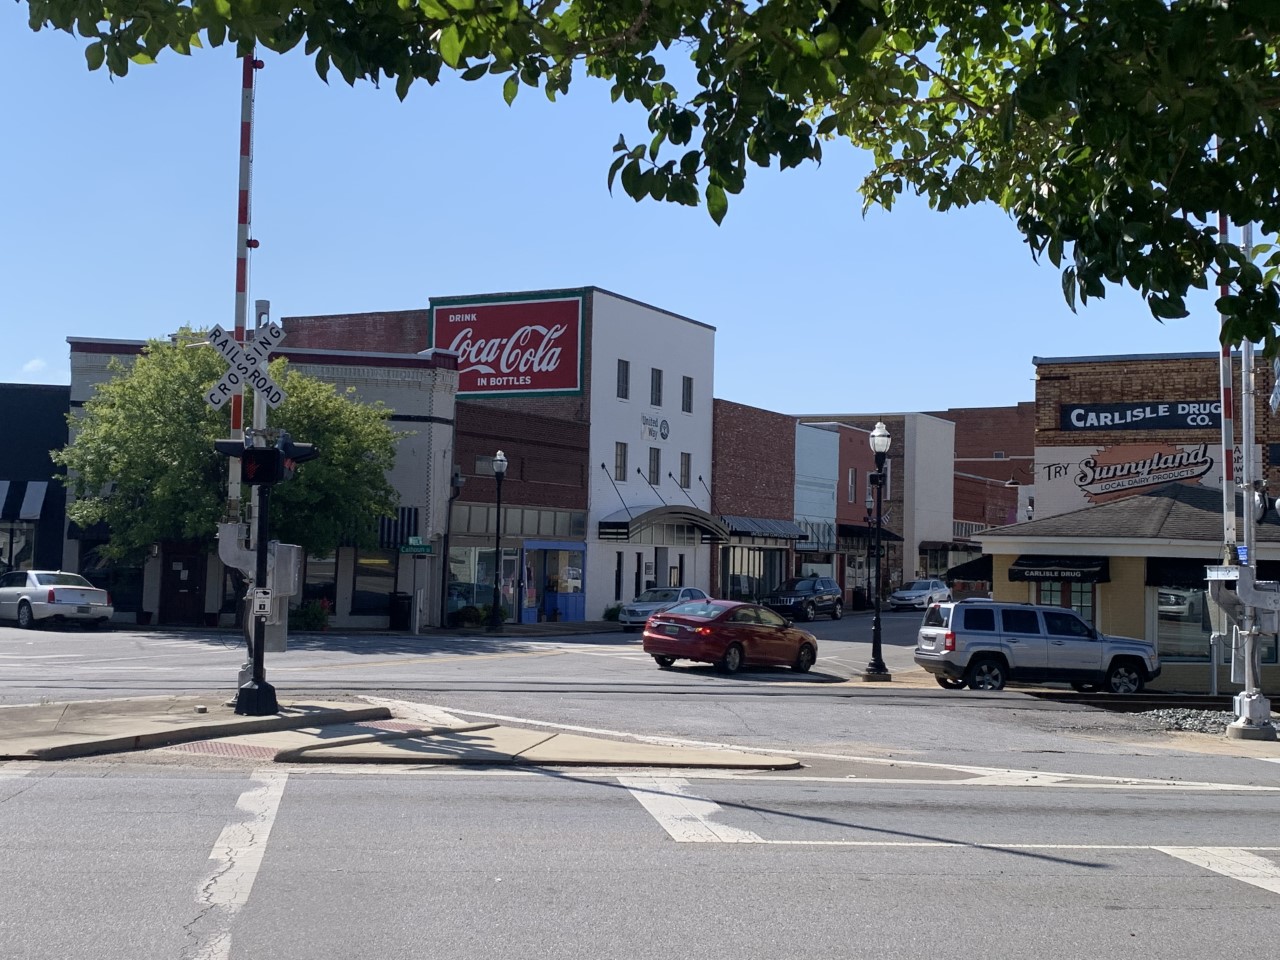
<point x="729" y="634"/>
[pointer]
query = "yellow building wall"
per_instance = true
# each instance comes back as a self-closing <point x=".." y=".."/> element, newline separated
<point x="1122" y="611"/>
<point x="1122" y="606"/>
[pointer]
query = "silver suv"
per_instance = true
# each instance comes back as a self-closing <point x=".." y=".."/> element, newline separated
<point x="982" y="644"/>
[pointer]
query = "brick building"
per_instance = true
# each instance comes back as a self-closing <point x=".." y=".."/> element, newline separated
<point x="1129" y="501"/>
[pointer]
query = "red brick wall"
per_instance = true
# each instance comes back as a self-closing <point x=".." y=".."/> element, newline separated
<point x="546" y="457"/>
<point x="753" y="462"/>
<point x="393" y="331"/>
<point x="407" y="331"/>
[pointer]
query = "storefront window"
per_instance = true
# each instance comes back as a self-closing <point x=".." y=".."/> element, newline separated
<point x="17" y="545"/>
<point x="748" y="573"/>
<point x="1067" y="593"/>
<point x="375" y="579"/>
<point x="322" y="580"/>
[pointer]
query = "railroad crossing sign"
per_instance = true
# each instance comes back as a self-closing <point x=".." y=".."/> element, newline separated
<point x="247" y="365"/>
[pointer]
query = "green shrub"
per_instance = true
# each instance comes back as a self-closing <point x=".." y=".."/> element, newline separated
<point x="311" y="615"/>
<point x="468" y="616"/>
<point x="612" y="613"/>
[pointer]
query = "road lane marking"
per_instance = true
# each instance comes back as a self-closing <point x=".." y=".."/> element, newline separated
<point x="238" y="851"/>
<point x="684" y="816"/>
<point x="1234" y="862"/>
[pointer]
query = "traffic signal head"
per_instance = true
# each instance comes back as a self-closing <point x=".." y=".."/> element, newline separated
<point x="259" y="465"/>
<point x="295" y="454"/>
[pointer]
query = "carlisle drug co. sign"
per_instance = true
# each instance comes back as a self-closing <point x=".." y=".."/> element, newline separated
<point x="529" y="344"/>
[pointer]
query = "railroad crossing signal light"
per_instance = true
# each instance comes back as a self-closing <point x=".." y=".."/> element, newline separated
<point x="258" y="465"/>
<point x="295" y="454"/>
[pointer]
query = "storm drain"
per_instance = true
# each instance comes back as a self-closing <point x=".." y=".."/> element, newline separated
<point x="224" y="748"/>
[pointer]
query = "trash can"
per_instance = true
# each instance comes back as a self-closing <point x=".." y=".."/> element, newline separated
<point x="401" y="606"/>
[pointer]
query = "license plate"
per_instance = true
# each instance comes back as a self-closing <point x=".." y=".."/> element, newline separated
<point x="671" y="628"/>
<point x="85" y="608"/>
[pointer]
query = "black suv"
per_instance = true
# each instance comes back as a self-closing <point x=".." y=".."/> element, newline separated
<point x="805" y="597"/>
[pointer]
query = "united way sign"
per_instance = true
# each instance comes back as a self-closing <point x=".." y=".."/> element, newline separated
<point x="512" y="346"/>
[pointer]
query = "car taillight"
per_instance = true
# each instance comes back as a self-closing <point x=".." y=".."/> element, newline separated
<point x="109" y="603"/>
<point x="949" y="640"/>
<point x="50" y="599"/>
<point x="703" y="631"/>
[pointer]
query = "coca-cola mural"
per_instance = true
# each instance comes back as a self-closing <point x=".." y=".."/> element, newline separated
<point x="525" y="345"/>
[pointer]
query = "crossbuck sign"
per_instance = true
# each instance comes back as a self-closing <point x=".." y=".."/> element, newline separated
<point x="247" y="365"/>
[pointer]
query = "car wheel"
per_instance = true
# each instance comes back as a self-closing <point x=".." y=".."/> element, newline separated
<point x="804" y="659"/>
<point x="809" y="612"/>
<point x="948" y="683"/>
<point x="732" y="660"/>
<point x="1124" y="677"/>
<point x="1085" y="687"/>
<point x="986" y="673"/>
<point x="26" y="620"/>
<point x="837" y="611"/>
<point x="664" y="662"/>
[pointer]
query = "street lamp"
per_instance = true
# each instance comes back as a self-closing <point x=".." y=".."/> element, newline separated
<point x="871" y="506"/>
<point x="880" y="440"/>
<point x="495" y="611"/>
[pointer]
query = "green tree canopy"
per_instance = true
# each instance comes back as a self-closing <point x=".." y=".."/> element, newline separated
<point x="142" y="458"/>
<point x="1113" y="132"/>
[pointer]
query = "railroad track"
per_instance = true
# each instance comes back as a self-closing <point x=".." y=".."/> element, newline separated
<point x="1136" y="702"/>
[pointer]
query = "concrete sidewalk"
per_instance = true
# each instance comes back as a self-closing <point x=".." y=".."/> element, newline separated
<point x="326" y="732"/>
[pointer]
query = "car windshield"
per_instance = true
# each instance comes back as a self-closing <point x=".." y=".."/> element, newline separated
<point x="658" y="596"/>
<point x="694" y="608"/>
<point x="797" y="583"/>
<point x="62" y="580"/>
<point x="916" y="585"/>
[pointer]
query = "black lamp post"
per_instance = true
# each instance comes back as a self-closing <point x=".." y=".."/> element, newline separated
<point x="495" y="611"/>
<point x="871" y="505"/>
<point x="880" y="440"/>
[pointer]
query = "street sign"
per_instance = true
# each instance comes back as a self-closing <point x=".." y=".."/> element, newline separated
<point x="247" y="365"/>
<point x="261" y="602"/>
<point x="416" y="548"/>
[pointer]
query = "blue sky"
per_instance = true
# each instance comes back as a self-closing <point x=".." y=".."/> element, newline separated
<point x="120" y="221"/>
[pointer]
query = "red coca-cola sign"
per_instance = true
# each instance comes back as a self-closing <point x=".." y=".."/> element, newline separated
<point x="530" y="345"/>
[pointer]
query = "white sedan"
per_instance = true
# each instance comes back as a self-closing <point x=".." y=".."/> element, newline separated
<point x="655" y="600"/>
<point x="919" y="594"/>
<point x="32" y="596"/>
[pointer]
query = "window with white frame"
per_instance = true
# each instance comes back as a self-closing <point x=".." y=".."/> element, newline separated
<point x="686" y="395"/>
<point x="655" y="387"/>
<point x="853" y="485"/>
<point x="620" y="461"/>
<point x="655" y="466"/>
<point x="624" y="379"/>
<point x="686" y="469"/>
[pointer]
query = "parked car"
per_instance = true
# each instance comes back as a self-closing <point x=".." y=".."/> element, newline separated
<point x="1176" y="603"/>
<point x="35" y="596"/>
<point x="634" y="614"/>
<point x="729" y="634"/>
<point x="919" y="594"/>
<point x="805" y="597"/>
<point x="982" y="644"/>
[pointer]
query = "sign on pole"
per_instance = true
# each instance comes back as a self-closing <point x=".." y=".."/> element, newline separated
<point x="246" y="365"/>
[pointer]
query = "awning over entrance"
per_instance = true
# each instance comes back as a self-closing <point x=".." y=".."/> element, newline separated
<point x="22" y="499"/>
<point x="860" y="531"/>
<point x="764" y="527"/>
<point x="621" y="526"/>
<point x="1034" y="566"/>
<point x="979" y="568"/>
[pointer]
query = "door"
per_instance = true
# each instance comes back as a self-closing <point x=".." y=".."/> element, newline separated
<point x="1075" y="652"/>
<point x="182" y="586"/>
<point x="1023" y="642"/>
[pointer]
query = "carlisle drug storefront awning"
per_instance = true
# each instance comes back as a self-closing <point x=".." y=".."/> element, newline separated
<point x="1035" y="566"/>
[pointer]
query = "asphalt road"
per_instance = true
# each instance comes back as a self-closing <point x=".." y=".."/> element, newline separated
<point x="925" y="823"/>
